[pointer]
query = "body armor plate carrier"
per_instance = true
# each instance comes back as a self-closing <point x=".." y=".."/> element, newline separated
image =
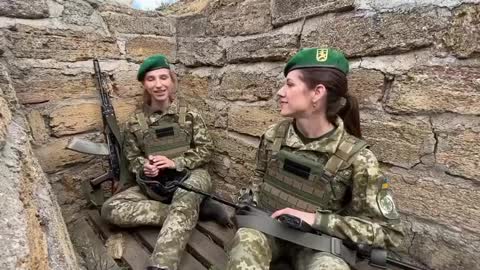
<point x="294" y="180"/>
<point x="167" y="137"/>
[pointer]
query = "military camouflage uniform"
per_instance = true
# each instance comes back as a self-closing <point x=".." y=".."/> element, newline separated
<point x="363" y="218"/>
<point x="132" y="208"/>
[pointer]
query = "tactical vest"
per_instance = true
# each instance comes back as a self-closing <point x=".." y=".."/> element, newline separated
<point x="297" y="181"/>
<point x="167" y="137"/>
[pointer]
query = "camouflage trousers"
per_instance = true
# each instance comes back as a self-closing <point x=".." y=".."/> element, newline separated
<point x="132" y="208"/>
<point x="253" y="250"/>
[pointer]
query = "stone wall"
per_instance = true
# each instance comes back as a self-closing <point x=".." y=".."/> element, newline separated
<point x="415" y="69"/>
<point x="33" y="232"/>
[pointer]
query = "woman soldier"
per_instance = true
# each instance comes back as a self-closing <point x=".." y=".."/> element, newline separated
<point x="164" y="141"/>
<point x="315" y="167"/>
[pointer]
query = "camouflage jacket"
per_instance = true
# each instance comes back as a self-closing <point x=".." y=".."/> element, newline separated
<point x="201" y="145"/>
<point x="362" y="220"/>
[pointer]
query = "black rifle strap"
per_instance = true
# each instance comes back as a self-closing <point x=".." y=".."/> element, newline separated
<point x="323" y="243"/>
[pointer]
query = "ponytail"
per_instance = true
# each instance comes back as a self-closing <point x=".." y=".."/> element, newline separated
<point x="351" y="116"/>
<point x="339" y="102"/>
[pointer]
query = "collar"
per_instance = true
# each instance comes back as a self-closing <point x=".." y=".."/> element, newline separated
<point x="154" y="116"/>
<point x="325" y="145"/>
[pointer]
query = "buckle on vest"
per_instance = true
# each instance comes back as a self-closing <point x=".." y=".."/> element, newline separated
<point x="327" y="177"/>
<point x="335" y="246"/>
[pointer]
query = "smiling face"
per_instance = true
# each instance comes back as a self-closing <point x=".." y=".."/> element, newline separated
<point x="159" y="84"/>
<point x="296" y="99"/>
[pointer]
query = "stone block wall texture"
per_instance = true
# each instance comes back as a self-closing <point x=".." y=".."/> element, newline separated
<point x="33" y="232"/>
<point x="415" y="70"/>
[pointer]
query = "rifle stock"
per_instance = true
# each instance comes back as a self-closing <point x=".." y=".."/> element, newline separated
<point x="100" y="179"/>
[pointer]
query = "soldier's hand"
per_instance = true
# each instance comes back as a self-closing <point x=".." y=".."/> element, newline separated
<point x="150" y="170"/>
<point x="162" y="162"/>
<point x="305" y="216"/>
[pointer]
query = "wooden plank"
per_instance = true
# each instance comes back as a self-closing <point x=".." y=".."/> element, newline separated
<point x="220" y="235"/>
<point x="90" y="247"/>
<point x="105" y="229"/>
<point x="206" y="251"/>
<point x="134" y="253"/>
<point x="149" y="237"/>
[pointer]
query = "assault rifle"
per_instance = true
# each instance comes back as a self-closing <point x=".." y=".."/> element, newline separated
<point x="367" y="258"/>
<point x="112" y="147"/>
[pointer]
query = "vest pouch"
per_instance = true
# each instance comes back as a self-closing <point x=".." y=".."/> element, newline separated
<point x="293" y="180"/>
<point x="298" y="166"/>
<point x="166" y="139"/>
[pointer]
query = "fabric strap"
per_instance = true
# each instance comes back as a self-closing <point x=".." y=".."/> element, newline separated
<point x="319" y="242"/>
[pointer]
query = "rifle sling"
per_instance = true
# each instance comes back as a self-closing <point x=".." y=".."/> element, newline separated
<point x="112" y="124"/>
<point x="323" y="243"/>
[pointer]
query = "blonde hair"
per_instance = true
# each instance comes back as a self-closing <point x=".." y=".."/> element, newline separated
<point x="147" y="99"/>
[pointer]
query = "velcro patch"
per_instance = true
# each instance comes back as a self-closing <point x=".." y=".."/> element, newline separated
<point x="387" y="205"/>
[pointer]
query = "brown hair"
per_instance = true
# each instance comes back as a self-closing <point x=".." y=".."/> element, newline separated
<point x="147" y="99"/>
<point x="336" y="84"/>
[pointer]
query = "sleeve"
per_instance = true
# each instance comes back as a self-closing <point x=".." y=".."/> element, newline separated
<point x="132" y="150"/>
<point x="202" y="143"/>
<point x="261" y="166"/>
<point x="373" y="218"/>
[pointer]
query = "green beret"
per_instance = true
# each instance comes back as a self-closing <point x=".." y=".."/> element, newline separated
<point x="317" y="57"/>
<point x="156" y="61"/>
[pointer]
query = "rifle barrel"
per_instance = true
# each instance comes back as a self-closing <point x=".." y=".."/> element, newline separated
<point x="106" y="104"/>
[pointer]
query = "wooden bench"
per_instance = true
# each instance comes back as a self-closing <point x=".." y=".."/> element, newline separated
<point x="205" y="250"/>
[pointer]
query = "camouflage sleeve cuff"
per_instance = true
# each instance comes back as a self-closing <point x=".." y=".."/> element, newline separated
<point x="179" y="164"/>
<point x="137" y="165"/>
<point x="323" y="218"/>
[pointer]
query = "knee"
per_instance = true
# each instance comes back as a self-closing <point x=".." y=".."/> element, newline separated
<point x="252" y="245"/>
<point x="110" y="210"/>
<point x="184" y="200"/>
<point x="106" y="212"/>
<point x="250" y="237"/>
<point x="325" y="260"/>
<point x="200" y="178"/>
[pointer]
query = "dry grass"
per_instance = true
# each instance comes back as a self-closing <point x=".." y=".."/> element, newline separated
<point x="184" y="7"/>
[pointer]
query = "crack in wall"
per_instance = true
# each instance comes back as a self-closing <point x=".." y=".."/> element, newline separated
<point x="462" y="177"/>
<point x="435" y="137"/>
<point x="299" y="37"/>
<point x="387" y="88"/>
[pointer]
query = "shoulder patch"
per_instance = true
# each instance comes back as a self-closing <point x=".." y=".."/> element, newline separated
<point x="385" y="202"/>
